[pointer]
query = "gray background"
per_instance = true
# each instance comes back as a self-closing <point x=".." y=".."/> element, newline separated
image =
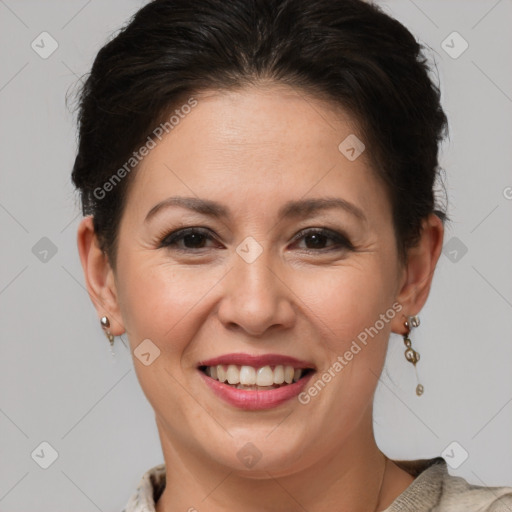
<point x="58" y="382"/>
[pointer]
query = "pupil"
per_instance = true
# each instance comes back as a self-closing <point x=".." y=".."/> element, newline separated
<point x="318" y="240"/>
<point x="195" y="240"/>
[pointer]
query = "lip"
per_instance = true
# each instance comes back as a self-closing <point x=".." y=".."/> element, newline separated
<point x="255" y="361"/>
<point x="255" y="400"/>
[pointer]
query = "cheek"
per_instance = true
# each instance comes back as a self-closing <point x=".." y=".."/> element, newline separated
<point x="167" y="305"/>
<point x="162" y="301"/>
<point x="342" y="301"/>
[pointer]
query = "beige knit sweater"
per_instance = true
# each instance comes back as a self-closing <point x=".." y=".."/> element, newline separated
<point x="433" y="489"/>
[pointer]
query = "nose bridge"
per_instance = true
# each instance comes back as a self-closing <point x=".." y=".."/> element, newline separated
<point x="255" y="276"/>
<point x="255" y="298"/>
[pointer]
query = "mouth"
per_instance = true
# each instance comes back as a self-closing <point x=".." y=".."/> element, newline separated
<point x="255" y="382"/>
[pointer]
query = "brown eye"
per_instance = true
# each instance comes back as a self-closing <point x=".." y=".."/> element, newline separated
<point x="194" y="240"/>
<point x="187" y="239"/>
<point x="315" y="241"/>
<point x="323" y="239"/>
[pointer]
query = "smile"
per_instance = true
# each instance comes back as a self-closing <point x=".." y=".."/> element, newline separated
<point x="255" y="382"/>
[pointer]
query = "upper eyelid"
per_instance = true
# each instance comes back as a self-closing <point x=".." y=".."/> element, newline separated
<point x="180" y="232"/>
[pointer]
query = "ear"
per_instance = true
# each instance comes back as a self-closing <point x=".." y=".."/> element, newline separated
<point x="417" y="273"/>
<point x="99" y="276"/>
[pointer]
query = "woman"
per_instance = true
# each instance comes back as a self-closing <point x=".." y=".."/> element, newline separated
<point x="257" y="183"/>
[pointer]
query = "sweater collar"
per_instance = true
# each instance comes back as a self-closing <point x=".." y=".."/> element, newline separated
<point x="428" y="473"/>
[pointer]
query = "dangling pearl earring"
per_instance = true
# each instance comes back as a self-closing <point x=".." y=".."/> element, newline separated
<point x="410" y="354"/>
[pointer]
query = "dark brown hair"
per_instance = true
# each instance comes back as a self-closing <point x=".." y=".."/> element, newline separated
<point x="348" y="52"/>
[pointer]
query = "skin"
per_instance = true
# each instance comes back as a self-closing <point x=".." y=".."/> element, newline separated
<point x="252" y="150"/>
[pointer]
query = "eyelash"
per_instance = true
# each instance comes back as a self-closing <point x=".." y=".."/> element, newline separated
<point x="342" y="243"/>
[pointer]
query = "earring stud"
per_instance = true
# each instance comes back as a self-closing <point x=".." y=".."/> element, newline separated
<point x="105" y="324"/>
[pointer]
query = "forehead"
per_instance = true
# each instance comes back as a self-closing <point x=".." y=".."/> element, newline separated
<point x="271" y="142"/>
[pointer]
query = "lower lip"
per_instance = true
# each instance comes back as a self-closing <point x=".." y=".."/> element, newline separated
<point x="255" y="400"/>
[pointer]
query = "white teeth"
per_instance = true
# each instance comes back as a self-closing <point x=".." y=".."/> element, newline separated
<point x="221" y="373"/>
<point x="278" y="374"/>
<point x="258" y="388"/>
<point x="288" y="374"/>
<point x="242" y="376"/>
<point x="247" y="376"/>
<point x="233" y="374"/>
<point x="265" y="376"/>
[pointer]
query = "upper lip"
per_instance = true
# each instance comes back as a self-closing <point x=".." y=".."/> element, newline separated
<point x="257" y="361"/>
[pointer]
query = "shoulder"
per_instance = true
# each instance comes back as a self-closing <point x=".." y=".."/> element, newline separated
<point x="435" y="489"/>
<point x="458" y="494"/>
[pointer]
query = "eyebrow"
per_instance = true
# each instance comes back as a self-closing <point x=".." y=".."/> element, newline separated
<point x="291" y="209"/>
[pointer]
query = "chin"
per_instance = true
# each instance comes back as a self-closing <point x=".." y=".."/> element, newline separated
<point x="255" y="454"/>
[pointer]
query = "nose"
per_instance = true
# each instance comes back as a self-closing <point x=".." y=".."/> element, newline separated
<point x="256" y="297"/>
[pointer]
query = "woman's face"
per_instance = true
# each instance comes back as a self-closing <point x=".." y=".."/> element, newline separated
<point x="254" y="166"/>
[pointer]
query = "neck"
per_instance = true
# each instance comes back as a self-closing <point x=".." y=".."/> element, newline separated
<point x="351" y="476"/>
